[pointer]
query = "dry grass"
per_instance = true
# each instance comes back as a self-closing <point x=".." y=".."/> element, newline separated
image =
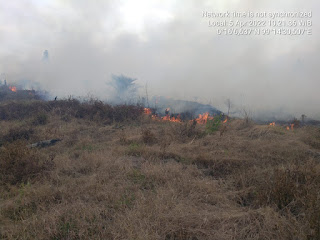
<point x="140" y="179"/>
<point x="18" y="164"/>
<point x="93" y="110"/>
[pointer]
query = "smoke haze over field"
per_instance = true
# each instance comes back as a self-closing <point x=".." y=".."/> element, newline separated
<point x="166" y="44"/>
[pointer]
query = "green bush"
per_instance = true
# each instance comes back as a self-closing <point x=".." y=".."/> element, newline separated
<point x="214" y="124"/>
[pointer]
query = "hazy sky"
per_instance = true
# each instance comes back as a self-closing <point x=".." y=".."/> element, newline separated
<point x="166" y="44"/>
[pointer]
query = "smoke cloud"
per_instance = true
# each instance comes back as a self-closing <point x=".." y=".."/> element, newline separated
<point x="166" y="45"/>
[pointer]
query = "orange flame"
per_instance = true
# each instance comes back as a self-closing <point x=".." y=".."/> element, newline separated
<point x="13" y="88"/>
<point x="171" y="119"/>
<point x="291" y="127"/>
<point x="272" y="124"/>
<point x="203" y="118"/>
<point x="147" y="111"/>
<point x="166" y="118"/>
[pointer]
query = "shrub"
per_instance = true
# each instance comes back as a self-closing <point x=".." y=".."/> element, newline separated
<point x="67" y="106"/>
<point x="97" y="110"/>
<point x="185" y="130"/>
<point x="92" y="110"/>
<point x="18" y="133"/>
<point x="40" y="119"/>
<point x="127" y="112"/>
<point x="214" y="124"/>
<point x="148" y="136"/>
<point x="22" y="110"/>
<point x="20" y="164"/>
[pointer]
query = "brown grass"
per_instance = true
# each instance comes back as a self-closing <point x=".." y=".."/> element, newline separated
<point x="138" y="179"/>
<point x="18" y="164"/>
<point x="17" y="133"/>
<point x="91" y="110"/>
<point x="148" y="137"/>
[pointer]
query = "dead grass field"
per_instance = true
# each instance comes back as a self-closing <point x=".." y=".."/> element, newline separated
<point x="115" y="177"/>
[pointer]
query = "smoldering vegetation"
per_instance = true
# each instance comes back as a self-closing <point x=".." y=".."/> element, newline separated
<point x="267" y="74"/>
<point x="133" y="166"/>
<point x="151" y="179"/>
<point x="193" y="108"/>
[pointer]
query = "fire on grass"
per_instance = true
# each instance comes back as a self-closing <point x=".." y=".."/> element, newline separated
<point x="13" y="88"/>
<point x="290" y="127"/>
<point x="201" y="119"/>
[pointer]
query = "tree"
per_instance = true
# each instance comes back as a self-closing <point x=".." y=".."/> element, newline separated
<point x="2" y="78"/>
<point x="147" y="95"/>
<point x="228" y="104"/>
<point x="125" y="87"/>
<point x="45" y="56"/>
<point x="303" y="117"/>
